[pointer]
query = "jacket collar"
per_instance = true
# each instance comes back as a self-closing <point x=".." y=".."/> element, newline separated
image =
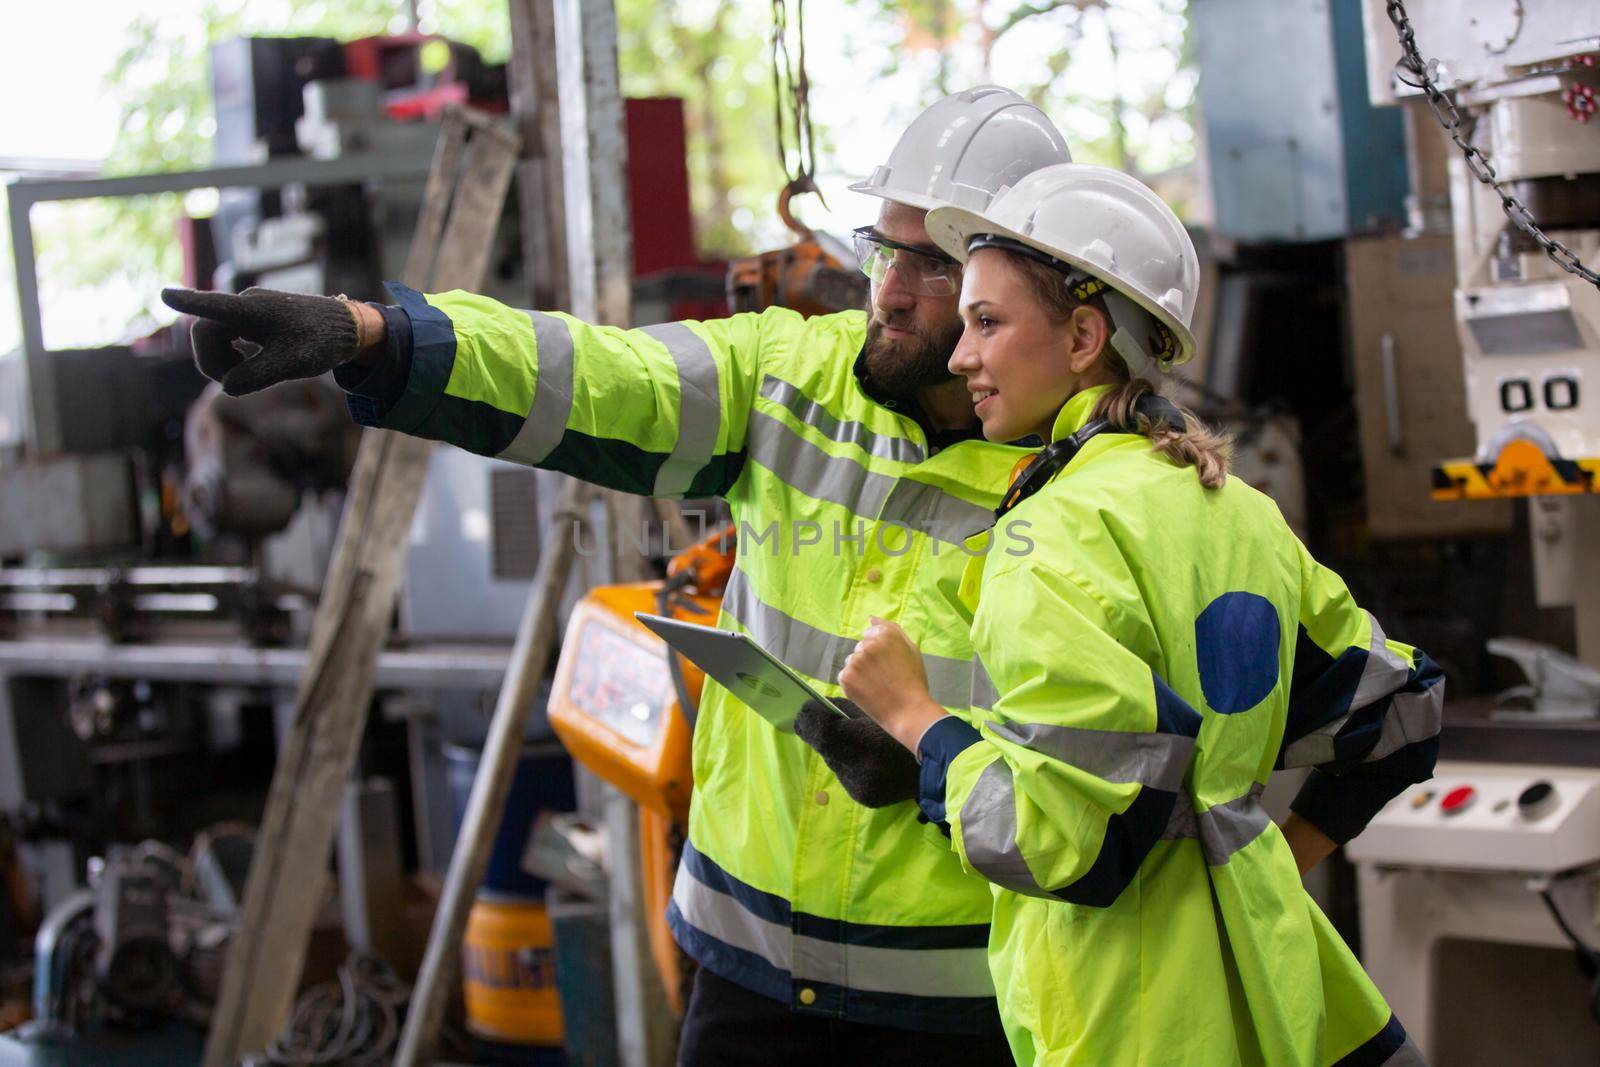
<point x="1074" y="414"/>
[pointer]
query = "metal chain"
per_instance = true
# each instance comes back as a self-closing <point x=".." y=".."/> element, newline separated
<point x="1422" y="74"/>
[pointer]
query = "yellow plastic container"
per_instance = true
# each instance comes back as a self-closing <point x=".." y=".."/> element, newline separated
<point x="508" y="973"/>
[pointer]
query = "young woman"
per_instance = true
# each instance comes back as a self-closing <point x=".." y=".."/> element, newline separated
<point x="1164" y="646"/>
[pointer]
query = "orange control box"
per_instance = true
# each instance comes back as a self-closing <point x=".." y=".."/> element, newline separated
<point x="612" y="703"/>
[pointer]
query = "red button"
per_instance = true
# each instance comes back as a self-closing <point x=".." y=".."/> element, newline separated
<point x="1458" y="800"/>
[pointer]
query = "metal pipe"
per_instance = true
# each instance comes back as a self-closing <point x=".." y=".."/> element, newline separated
<point x="270" y="175"/>
<point x="490" y="787"/>
<point x="449" y="667"/>
<point x="42" y="427"/>
<point x="42" y="422"/>
<point x="1391" y="396"/>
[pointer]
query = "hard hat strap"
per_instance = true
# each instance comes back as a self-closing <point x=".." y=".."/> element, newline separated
<point x="1075" y="275"/>
<point x="1141" y="339"/>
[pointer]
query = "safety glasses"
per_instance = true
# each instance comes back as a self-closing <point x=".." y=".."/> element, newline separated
<point x="924" y="271"/>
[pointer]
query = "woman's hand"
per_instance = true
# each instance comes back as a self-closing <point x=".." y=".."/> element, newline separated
<point x="1309" y="845"/>
<point x="884" y="676"/>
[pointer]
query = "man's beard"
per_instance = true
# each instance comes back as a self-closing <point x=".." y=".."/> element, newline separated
<point x="899" y="368"/>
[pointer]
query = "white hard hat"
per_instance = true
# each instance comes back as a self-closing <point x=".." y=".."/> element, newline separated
<point x="965" y="149"/>
<point x="1096" y="224"/>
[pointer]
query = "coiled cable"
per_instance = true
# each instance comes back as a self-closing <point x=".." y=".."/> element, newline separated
<point x="353" y="1021"/>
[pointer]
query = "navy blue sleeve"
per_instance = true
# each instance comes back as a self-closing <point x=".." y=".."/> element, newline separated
<point x="1373" y="754"/>
<point x="372" y="391"/>
<point x="1341" y="805"/>
<point x="941" y="743"/>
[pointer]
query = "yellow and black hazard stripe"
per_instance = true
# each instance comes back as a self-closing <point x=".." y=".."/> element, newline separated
<point x="1521" y="469"/>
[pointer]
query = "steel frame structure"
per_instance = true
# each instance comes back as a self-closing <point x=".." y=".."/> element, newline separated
<point x="43" y="427"/>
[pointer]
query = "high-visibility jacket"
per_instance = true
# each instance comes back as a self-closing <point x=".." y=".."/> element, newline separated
<point x="845" y="511"/>
<point x="1157" y="654"/>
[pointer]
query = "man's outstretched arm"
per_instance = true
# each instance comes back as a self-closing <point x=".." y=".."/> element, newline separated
<point x="660" y="410"/>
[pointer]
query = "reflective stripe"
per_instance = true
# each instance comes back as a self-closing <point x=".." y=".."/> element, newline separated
<point x="1407" y="1055"/>
<point x="721" y="916"/>
<point x="801" y="646"/>
<point x="989" y="832"/>
<point x="1389" y="1047"/>
<point x="819" y="654"/>
<point x="1383" y="674"/>
<point x="735" y="964"/>
<point x="547" y="417"/>
<point x="949" y="680"/>
<point x="699" y="407"/>
<point x="989" y="815"/>
<point x="813" y="414"/>
<point x="1224" y="829"/>
<point x="1315" y="748"/>
<point x="819" y="474"/>
<point x="1412" y="717"/>
<point x="804" y="466"/>
<point x="1181" y="823"/>
<point x="1156" y="760"/>
<point x="935" y="512"/>
<point x="984" y="693"/>
<point x="989" y="829"/>
<point x="940" y="972"/>
<point x="935" y="972"/>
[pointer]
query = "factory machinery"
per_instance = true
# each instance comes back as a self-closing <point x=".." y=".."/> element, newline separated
<point x="161" y="554"/>
<point x="1444" y="390"/>
<point x="1480" y="890"/>
<point x="1442" y="395"/>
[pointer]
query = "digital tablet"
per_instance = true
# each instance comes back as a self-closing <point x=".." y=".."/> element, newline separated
<point x="745" y="669"/>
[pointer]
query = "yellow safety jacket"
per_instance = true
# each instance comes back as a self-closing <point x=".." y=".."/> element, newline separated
<point x="1158" y="653"/>
<point x="845" y="511"/>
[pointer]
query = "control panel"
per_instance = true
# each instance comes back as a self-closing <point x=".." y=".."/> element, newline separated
<point x="619" y="681"/>
<point x="1489" y="816"/>
<point x="613" y="702"/>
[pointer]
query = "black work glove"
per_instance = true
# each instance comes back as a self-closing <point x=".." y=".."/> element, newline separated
<point x="874" y="768"/>
<point x="260" y="337"/>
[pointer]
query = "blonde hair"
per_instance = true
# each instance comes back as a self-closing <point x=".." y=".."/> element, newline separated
<point x="1194" y="444"/>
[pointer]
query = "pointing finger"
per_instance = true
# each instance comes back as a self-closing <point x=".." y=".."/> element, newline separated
<point x="231" y="309"/>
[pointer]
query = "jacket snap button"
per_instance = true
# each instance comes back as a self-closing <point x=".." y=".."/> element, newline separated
<point x="808" y="996"/>
<point x="874" y="575"/>
<point x="822" y="796"/>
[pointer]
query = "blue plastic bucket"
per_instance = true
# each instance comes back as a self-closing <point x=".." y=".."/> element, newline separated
<point x="543" y="783"/>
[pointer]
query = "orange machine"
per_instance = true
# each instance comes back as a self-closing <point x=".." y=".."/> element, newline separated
<point x="816" y="275"/>
<point x="624" y="708"/>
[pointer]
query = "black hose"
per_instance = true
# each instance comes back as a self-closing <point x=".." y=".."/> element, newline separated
<point x="666" y="598"/>
<point x="1588" y="958"/>
<point x="354" y="1021"/>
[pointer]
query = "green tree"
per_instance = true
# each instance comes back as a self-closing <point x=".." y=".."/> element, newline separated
<point x="1117" y="75"/>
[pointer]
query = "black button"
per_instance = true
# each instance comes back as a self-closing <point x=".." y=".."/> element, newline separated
<point x="1536" y="800"/>
<point x="1535" y="793"/>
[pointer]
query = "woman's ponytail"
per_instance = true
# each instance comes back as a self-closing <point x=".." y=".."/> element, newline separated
<point x="1193" y="444"/>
